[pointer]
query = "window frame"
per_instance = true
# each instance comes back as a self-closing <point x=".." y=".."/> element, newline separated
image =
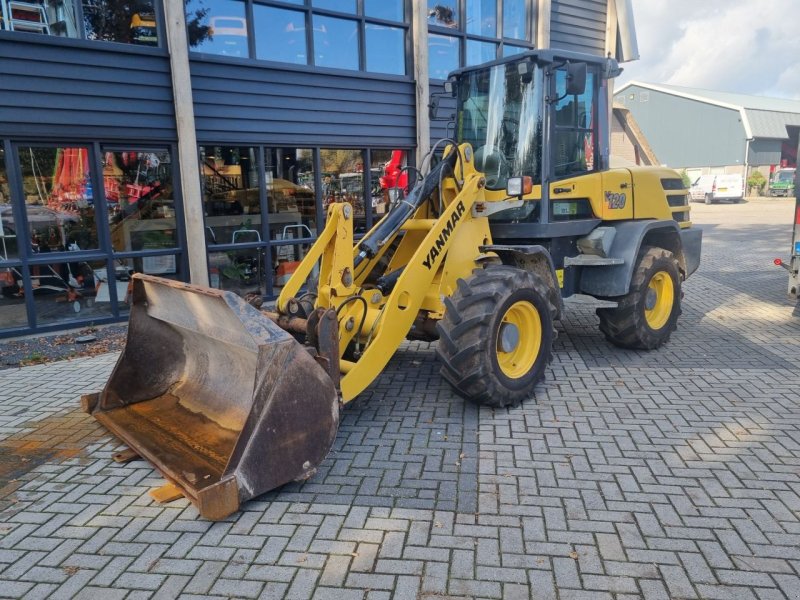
<point x="104" y="252"/>
<point x="499" y="40"/>
<point x="82" y="40"/>
<point x="309" y="12"/>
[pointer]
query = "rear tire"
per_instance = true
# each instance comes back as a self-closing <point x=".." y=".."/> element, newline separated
<point x="709" y="199"/>
<point x="496" y="336"/>
<point x="646" y="317"/>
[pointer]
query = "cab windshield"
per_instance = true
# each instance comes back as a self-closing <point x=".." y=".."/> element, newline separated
<point x="501" y="116"/>
<point x="785" y="176"/>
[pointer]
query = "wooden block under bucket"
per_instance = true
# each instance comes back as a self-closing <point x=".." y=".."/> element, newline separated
<point x="166" y="493"/>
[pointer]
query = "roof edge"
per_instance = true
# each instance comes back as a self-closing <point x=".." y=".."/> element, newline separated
<point x="657" y="88"/>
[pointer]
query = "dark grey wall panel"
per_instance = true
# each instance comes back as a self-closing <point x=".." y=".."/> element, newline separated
<point x="765" y="152"/>
<point x="684" y="132"/>
<point x="242" y="103"/>
<point x="60" y="89"/>
<point x="579" y="25"/>
<point x="447" y="107"/>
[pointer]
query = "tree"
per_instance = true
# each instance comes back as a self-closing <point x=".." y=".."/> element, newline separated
<point x="687" y="183"/>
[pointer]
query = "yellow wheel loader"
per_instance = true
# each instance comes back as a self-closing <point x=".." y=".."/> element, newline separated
<point x="520" y="212"/>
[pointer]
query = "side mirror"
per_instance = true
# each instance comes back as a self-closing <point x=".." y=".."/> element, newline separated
<point x="576" y="78"/>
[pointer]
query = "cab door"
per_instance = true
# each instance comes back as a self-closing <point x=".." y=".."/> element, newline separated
<point x="616" y="195"/>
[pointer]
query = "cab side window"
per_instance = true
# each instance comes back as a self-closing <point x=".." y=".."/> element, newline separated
<point x="575" y="118"/>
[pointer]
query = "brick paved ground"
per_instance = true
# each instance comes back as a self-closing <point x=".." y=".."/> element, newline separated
<point x="670" y="474"/>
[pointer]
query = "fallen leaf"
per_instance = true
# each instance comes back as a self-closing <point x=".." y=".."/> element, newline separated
<point x="574" y="555"/>
<point x="302" y="558"/>
<point x="70" y="570"/>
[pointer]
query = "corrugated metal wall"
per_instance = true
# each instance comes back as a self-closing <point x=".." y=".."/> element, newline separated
<point x="579" y="25"/>
<point x="765" y="152"/>
<point x="686" y="133"/>
<point x="254" y="104"/>
<point x="50" y="89"/>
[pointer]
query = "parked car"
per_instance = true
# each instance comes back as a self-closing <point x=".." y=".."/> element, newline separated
<point x="782" y="183"/>
<point x="713" y="188"/>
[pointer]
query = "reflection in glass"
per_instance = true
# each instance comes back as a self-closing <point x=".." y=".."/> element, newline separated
<point x="391" y="10"/>
<point x="231" y="202"/>
<point x="574" y="139"/>
<point x="12" y="301"/>
<point x="240" y="271"/>
<point x="56" y="18"/>
<point x="343" y="181"/>
<point x="339" y="5"/>
<point x="69" y="291"/>
<point x="443" y="55"/>
<point x="217" y="27"/>
<point x="386" y="49"/>
<point x="388" y="182"/>
<point x="140" y="200"/>
<point x="480" y="52"/>
<point x="130" y="22"/>
<point x="285" y="260"/>
<point x="500" y="115"/>
<point x="482" y="17"/>
<point x="291" y="200"/>
<point x="443" y="13"/>
<point x="509" y="50"/>
<point x="515" y="19"/>
<point x="280" y="34"/>
<point x="335" y="43"/>
<point x="59" y="201"/>
<point x="8" y="229"/>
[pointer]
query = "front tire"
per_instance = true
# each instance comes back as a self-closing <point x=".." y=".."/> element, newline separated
<point x="496" y="336"/>
<point x="646" y="317"/>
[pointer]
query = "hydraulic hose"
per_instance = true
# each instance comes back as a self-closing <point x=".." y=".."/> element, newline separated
<point x="389" y="226"/>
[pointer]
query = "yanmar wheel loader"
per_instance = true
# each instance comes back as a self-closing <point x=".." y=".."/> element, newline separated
<point x="520" y="212"/>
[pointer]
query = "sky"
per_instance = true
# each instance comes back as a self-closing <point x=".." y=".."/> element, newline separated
<point x="740" y="46"/>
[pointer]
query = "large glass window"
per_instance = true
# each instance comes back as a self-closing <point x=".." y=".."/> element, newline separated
<point x="343" y="181"/>
<point x="385" y="49"/>
<point x="443" y="55"/>
<point x="281" y="34"/>
<point x="132" y="22"/>
<point x="140" y="200"/>
<point x="481" y="38"/>
<point x="86" y="231"/>
<point x="291" y="199"/>
<point x="443" y="13"/>
<point x="515" y="19"/>
<point x="8" y="228"/>
<point x="125" y="21"/>
<point x="373" y="40"/>
<point x="335" y="43"/>
<point x="59" y="200"/>
<point x="338" y="5"/>
<point x="231" y="199"/>
<point x="391" y="10"/>
<point x="482" y="17"/>
<point x="217" y="27"/>
<point x="480" y="52"/>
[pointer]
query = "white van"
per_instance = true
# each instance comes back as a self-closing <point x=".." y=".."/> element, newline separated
<point x="713" y="188"/>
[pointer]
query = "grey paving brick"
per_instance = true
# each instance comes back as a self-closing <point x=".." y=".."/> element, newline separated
<point x="666" y="474"/>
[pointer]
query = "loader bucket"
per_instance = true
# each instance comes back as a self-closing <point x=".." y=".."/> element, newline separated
<point x="222" y="401"/>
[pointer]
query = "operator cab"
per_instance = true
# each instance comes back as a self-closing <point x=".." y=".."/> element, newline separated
<point x="513" y="109"/>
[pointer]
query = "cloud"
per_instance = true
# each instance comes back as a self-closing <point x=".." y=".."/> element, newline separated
<point x="727" y="45"/>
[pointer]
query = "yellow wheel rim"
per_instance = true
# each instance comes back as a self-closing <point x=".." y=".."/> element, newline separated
<point x="519" y="338"/>
<point x="660" y="296"/>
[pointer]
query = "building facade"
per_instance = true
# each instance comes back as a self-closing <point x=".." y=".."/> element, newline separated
<point x="206" y="146"/>
<point x="706" y="131"/>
